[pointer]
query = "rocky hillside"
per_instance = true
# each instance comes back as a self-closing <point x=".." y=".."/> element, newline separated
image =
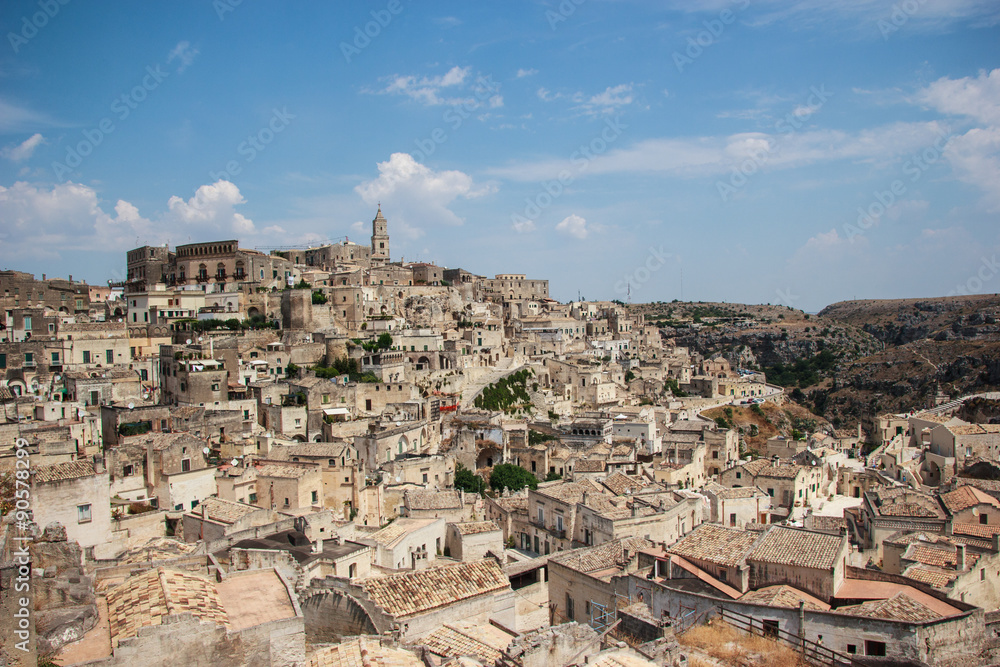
<point x="948" y="345"/>
<point x="855" y="358"/>
<point x="759" y="423"/>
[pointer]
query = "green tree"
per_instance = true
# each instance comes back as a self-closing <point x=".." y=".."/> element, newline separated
<point x="513" y="477"/>
<point x="629" y="376"/>
<point x="385" y="341"/>
<point x="318" y="297"/>
<point x="552" y="476"/>
<point x="468" y="481"/>
<point x="291" y="370"/>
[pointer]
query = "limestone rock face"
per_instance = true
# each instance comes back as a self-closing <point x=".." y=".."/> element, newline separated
<point x="54" y="532"/>
<point x="65" y="607"/>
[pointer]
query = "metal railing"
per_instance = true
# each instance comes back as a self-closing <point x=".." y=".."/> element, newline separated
<point x="811" y="652"/>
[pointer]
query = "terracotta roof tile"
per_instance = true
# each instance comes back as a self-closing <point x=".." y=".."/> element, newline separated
<point x="413" y="593"/>
<point x="800" y="548"/>
<point x="899" y="607"/>
<point x="57" y="472"/>
<point x="716" y="544"/>
<point x="147" y="598"/>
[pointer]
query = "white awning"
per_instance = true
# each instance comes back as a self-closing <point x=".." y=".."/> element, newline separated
<point x="335" y="411"/>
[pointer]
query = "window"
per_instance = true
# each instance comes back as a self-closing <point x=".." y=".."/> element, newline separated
<point x="315" y="497"/>
<point x="732" y="520"/>
<point x="286" y="502"/>
<point x="983" y="519"/>
<point x="109" y="356"/>
<point x="541" y="515"/>
<point x="253" y="497"/>
<point x="874" y="648"/>
<point x="770" y="629"/>
<point x="559" y="521"/>
<point x="3" y="360"/>
<point x="185" y="465"/>
<point x="570" y="611"/>
<point x="128" y="471"/>
<point x="715" y="455"/>
<point x="83" y="513"/>
<point x="852" y="649"/>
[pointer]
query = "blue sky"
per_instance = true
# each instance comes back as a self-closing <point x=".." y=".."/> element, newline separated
<point x="798" y="152"/>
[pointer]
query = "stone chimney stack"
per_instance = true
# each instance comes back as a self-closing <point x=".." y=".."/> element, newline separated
<point x="960" y="558"/>
<point x="318" y="546"/>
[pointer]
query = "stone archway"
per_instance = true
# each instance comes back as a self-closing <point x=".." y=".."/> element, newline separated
<point x="332" y="615"/>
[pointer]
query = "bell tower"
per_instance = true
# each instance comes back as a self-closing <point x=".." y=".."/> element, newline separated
<point x="380" y="238"/>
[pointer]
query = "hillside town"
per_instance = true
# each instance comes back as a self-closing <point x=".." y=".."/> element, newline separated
<point x="327" y="456"/>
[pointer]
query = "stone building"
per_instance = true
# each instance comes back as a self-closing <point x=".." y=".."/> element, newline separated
<point x="75" y="494"/>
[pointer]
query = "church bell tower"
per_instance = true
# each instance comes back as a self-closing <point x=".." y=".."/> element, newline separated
<point x="380" y="239"/>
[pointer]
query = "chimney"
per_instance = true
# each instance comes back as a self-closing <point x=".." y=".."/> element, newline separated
<point x="960" y="558"/>
<point x="43" y="276"/>
<point x="585" y="497"/>
<point x="71" y="277"/>
<point x="996" y="542"/>
<point x="318" y="546"/>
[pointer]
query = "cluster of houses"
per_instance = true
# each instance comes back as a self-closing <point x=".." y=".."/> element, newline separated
<point x="248" y="458"/>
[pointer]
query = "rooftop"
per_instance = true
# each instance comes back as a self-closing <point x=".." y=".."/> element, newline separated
<point x="476" y="527"/>
<point x="602" y="560"/>
<point x="798" y="548"/>
<point x="716" y="544"/>
<point x="784" y="596"/>
<point x="965" y="497"/>
<point x="58" y="472"/>
<point x="411" y="593"/>
<point x="147" y="598"/>
<point x="428" y="499"/>
<point x="363" y="651"/>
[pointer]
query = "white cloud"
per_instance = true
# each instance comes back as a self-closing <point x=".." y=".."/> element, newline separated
<point x="573" y="225"/>
<point x="547" y="96"/>
<point x="710" y="156"/>
<point x="24" y="150"/>
<point x="521" y="73"/>
<point x="523" y="225"/>
<point x="426" y="90"/>
<point x="15" y="118"/>
<point x="496" y="101"/>
<point x="417" y="195"/>
<point x="611" y="100"/>
<point x="974" y="155"/>
<point x="184" y="54"/>
<point x="212" y="207"/>
<point x="977" y="98"/>
<point x="42" y="222"/>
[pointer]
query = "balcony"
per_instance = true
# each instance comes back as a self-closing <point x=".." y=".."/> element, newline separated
<point x="29" y="364"/>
